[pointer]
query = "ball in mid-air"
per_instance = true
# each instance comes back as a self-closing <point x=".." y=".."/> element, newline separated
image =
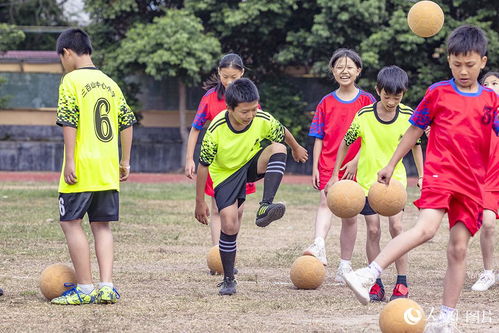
<point x="387" y="200"/>
<point x="425" y="18"/>
<point x="346" y="198"/>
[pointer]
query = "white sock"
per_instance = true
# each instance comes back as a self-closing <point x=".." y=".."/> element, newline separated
<point x="375" y="269"/>
<point x="320" y="241"/>
<point x="86" y="288"/>
<point x="488" y="271"/>
<point x="106" y="284"/>
<point x="344" y="263"/>
<point x="446" y="313"/>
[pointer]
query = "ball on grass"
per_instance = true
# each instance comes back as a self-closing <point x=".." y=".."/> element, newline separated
<point x="307" y="272"/>
<point x="425" y="18"/>
<point x="214" y="261"/>
<point x="346" y="198"/>
<point x="55" y="279"/>
<point x="387" y="200"/>
<point x="402" y="315"/>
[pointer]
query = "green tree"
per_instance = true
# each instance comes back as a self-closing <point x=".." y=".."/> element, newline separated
<point x="173" y="45"/>
<point x="10" y="36"/>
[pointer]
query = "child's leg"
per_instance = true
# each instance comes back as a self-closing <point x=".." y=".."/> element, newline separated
<point x="272" y="163"/>
<point x="395" y="226"/>
<point x="103" y="249"/>
<point x="487" y="239"/>
<point x="348" y="235"/>
<point x="456" y="264"/>
<point x="78" y="250"/>
<point x="230" y="225"/>
<point x="373" y="236"/>
<point x="214" y="222"/>
<point x="323" y="218"/>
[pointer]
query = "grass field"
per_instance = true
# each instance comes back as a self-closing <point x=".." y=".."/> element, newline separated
<point x="161" y="272"/>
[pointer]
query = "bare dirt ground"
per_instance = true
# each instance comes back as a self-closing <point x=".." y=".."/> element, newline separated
<point x="161" y="273"/>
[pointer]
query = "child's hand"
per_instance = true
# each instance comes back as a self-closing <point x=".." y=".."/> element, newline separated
<point x="190" y="168"/>
<point x="316" y="180"/>
<point x="420" y="182"/>
<point x="69" y="173"/>
<point x="334" y="179"/>
<point x="427" y="131"/>
<point x="350" y="170"/>
<point x="300" y="154"/>
<point x="202" y="212"/>
<point x="384" y="175"/>
<point x="124" y="172"/>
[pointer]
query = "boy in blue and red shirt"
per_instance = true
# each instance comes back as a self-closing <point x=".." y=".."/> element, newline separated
<point x="462" y="115"/>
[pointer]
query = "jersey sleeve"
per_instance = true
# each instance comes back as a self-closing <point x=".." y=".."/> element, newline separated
<point x="68" y="112"/>
<point x="353" y="131"/>
<point x="317" y="125"/>
<point x="126" y="118"/>
<point x="275" y="130"/>
<point x="201" y="115"/>
<point x="424" y="113"/>
<point x="209" y="148"/>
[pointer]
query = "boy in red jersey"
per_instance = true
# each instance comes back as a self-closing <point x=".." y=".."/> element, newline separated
<point x="491" y="202"/>
<point x="462" y="115"/>
<point x="332" y="118"/>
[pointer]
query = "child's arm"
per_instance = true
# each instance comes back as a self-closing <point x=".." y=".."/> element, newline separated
<point x="340" y="156"/>
<point x="417" y="153"/>
<point x="351" y="167"/>
<point x="69" y="134"/>
<point x="190" y="166"/>
<point x="408" y="141"/>
<point x="315" y="164"/>
<point x="299" y="153"/>
<point x="126" y="136"/>
<point x="202" y="212"/>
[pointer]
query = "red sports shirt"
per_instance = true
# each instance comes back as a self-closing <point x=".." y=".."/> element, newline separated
<point x="332" y="119"/>
<point x="492" y="179"/>
<point x="459" y="144"/>
<point x="208" y="108"/>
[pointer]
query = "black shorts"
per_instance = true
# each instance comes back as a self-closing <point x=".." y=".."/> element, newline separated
<point x="102" y="206"/>
<point x="234" y="187"/>
<point x="367" y="210"/>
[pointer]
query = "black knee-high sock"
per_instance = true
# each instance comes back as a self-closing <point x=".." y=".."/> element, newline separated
<point x="227" y="246"/>
<point x="273" y="176"/>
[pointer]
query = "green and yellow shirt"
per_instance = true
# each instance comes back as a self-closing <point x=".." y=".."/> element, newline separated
<point x="226" y="150"/>
<point x="93" y="103"/>
<point x="379" y="140"/>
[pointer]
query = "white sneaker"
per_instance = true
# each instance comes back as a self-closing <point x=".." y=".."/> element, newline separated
<point x="484" y="282"/>
<point x="317" y="251"/>
<point x="441" y="326"/>
<point x="342" y="270"/>
<point x="360" y="281"/>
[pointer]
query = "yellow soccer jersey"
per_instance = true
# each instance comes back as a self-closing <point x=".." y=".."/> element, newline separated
<point x="226" y="150"/>
<point x="379" y="140"/>
<point x="93" y="103"/>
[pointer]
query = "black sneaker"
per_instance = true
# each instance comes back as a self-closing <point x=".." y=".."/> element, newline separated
<point x="267" y="213"/>
<point x="227" y="286"/>
<point x="215" y="273"/>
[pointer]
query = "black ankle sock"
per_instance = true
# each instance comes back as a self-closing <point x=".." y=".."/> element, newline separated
<point x="227" y="246"/>
<point x="402" y="279"/>
<point x="380" y="283"/>
<point x="273" y="176"/>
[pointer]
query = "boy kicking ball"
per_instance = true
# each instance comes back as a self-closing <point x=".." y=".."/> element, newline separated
<point x="232" y="152"/>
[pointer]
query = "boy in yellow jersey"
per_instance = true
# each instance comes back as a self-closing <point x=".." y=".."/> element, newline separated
<point x="232" y="152"/>
<point x="381" y="126"/>
<point x="93" y="113"/>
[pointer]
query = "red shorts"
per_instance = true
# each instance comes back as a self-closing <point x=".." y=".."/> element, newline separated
<point x="459" y="207"/>
<point x="325" y="176"/>
<point x="491" y="202"/>
<point x="208" y="189"/>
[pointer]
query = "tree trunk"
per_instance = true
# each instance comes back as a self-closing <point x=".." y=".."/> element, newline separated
<point x="182" y="96"/>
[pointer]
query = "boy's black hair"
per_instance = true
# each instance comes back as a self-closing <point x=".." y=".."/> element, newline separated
<point x="496" y="74"/>
<point x="342" y="53"/>
<point x="393" y="79"/>
<point x="74" y="39"/>
<point x="230" y="60"/>
<point x="466" y="39"/>
<point x="241" y="91"/>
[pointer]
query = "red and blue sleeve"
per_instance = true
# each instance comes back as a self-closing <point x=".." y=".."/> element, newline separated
<point x="201" y="115"/>
<point x="423" y="115"/>
<point x="317" y="126"/>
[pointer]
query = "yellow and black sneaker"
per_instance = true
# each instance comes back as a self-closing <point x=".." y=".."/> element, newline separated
<point x="268" y="213"/>
<point x="75" y="296"/>
<point x="107" y="295"/>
